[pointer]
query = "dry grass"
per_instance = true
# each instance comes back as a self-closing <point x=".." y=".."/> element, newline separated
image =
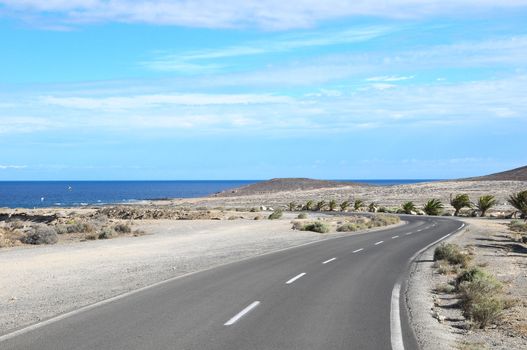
<point x="10" y="237"/>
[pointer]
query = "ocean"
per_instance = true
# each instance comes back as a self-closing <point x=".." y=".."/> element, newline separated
<point x="38" y="194"/>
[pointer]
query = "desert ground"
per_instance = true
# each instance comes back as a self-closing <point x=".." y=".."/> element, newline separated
<point x="386" y="196"/>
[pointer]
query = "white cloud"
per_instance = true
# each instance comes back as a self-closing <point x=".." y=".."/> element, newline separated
<point x="196" y="61"/>
<point x="269" y="14"/>
<point x="152" y="101"/>
<point x="4" y="167"/>
<point x="25" y="124"/>
<point x="423" y="106"/>
<point x="390" y="78"/>
<point x="383" y="86"/>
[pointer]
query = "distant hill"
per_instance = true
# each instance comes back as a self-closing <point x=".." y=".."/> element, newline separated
<point x="518" y="174"/>
<point x="283" y="184"/>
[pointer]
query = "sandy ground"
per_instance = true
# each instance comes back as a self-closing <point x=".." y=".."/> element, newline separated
<point x="39" y="282"/>
<point x="388" y="196"/>
<point x="494" y="248"/>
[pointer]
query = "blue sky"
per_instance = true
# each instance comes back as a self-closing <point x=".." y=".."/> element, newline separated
<point x="237" y="89"/>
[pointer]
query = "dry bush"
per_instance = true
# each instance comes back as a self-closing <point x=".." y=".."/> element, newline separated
<point x="349" y="227"/>
<point x="41" y="234"/>
<point x="452" y="254"/>
<point x="9" y="237"/>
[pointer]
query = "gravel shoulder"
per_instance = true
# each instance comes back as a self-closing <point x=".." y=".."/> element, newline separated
<point x="436" y="320"/>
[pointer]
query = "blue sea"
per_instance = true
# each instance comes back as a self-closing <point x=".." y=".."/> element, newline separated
<point x="34" y="194"/>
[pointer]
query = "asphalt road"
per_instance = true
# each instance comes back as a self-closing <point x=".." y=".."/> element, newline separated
<point x="334" y="294"/>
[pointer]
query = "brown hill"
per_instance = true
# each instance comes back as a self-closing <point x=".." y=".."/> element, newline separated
<point x="281" y="185"/>
<point x="518" y="174"/>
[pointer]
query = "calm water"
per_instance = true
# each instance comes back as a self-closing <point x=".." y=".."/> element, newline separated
<point x="29" y="194"/>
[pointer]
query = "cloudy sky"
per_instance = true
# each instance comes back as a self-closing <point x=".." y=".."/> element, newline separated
<point x="242" y="89"/>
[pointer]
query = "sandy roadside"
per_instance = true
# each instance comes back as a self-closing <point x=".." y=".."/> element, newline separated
<point x="40" y="282"/>
<point x="439" y="324"/>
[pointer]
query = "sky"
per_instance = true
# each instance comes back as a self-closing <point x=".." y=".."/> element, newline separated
<point x="243" y="89"/>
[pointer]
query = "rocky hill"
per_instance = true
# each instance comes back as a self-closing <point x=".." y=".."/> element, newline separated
<point x="282" y="185"/>
<point x="518" y="174"/>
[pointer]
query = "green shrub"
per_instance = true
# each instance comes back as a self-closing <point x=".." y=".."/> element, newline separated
<point x="433" y="207"/>
<point x="486" y="311"/>
<point x="80" y="227"/>
<point x="318" y="226"/>
<point x="321" y="205"/>
<point x="469" y="276"/>
<point x="106" y="233"/>
<point x="451" y="253"/>
<point x="459" y="202"/>
<point x="481" y="298"/>
<point x="277" y="214"/>
<point x="332" y="205"/>
<point x="359" y="203"/>
<point x="445" y="288"/>
<point x="345" y="205"/>
<point x="122" y="228"/>
<point x="348" y="227"/>
<point x="518" y="226"/>
<point x="409" y="207"/>
<point x="519" y="202"/>
<point x="384" y="220"/>
<point x="291" y="206"/>
<point x="484" y="203"/>
<point x="302" y="216"/>
<point x="308" y="205"/>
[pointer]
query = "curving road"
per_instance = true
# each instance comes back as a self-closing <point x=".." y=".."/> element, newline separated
<point x="333" y="294"/>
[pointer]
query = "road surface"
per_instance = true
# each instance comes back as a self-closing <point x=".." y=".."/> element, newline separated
<point x="334" y="294"/>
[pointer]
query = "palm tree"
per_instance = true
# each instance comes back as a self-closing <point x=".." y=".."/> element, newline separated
<point x="345" y="205"/>
<point x="332" y="205"/>
<point x="485" y="203"/>
<point x="519" y="201"/>
<point x="309" y="205"/>
<point x="359" y="203"/>
<point x="372" y="208"/>
<point x="321" y="205"/>
<point x="409" y="207"/>
<point x="433" y="207"/>
<point x="459" y="202"/>
<point x="292" y="206"/>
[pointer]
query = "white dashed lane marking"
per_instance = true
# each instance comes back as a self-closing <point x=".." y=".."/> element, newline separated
<point x="242" y="313"/>
<point x="330" y="260"/>
<point x="295" y="278"/>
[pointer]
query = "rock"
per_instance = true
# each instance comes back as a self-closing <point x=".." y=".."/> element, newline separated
<point x="263" y="208"/>
<point x="438" y="317"/>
